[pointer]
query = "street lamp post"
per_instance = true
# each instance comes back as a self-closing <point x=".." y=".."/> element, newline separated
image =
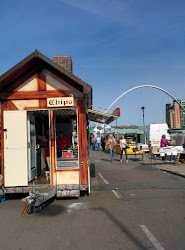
<point x="143" y="109"/>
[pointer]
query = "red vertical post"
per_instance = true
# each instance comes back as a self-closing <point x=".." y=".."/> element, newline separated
<point x="52" y="147"/>
<point x="82" y="140"/>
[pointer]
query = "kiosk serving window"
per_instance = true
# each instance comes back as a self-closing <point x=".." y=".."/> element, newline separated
<point x="66" y="124"/>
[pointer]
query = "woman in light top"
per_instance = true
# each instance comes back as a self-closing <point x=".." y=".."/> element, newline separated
<point x="110" y="144"/>
<point x="123" y="144"/>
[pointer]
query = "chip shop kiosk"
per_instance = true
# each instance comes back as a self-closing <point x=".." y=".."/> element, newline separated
<point x="38" y="99"/>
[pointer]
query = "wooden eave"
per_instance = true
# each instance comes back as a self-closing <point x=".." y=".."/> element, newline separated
<point x="34" y="63"/>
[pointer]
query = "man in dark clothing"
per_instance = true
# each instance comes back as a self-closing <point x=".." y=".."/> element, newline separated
<point x="90" y="138"/>
<point x="103" y="142"/>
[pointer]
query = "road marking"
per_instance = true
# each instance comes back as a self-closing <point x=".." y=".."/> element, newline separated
<point x="152" y="238"/>
<point x="123" y="197"/>
<point x="116" y="194"/>
<point x="106" y="182"/>
<point x="77" y="206"/>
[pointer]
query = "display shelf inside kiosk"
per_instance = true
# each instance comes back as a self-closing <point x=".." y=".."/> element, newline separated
<point x="67" y="164"/>
<point x="69" y="160"/>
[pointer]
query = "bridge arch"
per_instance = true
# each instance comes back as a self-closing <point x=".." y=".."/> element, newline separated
<point x="143" y="86"/>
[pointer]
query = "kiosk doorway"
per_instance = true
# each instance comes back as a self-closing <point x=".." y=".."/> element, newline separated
<point x="38" y="146"/>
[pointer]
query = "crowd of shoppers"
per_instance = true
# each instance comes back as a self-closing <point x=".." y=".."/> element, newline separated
<point x="96" y="142"/>
<point x="109" y="144"/>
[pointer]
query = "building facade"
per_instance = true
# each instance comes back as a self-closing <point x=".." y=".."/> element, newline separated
<point x="175" y="116"/>
<point x="182" y="114"/>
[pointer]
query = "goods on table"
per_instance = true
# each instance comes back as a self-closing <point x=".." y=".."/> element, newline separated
<point x="170" y="150"/>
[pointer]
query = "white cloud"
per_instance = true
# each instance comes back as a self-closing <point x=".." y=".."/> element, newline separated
<point x="113" y="10"/>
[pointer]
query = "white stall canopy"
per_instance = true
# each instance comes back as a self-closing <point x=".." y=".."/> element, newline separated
<point x="101" y="117"/>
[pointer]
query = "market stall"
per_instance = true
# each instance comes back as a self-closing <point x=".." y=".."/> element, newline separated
<point x="170" y="153"/>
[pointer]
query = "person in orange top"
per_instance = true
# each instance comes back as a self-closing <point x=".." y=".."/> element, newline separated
<point x="62" y="143"/>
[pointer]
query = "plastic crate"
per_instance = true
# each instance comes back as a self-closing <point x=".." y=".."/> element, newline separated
<point x="67" y="154"/>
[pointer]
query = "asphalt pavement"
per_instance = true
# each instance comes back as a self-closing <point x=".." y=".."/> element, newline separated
<point x="131" y="206"/>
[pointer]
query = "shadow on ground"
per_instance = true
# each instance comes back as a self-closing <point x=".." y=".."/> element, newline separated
<point x="51" y="210"/>
<point x="145" y="168"/>
<point x="108" y="160"/>
<point x="122" y="227"/>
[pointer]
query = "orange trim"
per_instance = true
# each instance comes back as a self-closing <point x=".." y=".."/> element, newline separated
<point x="42" y="103"/>
<point x="41" y="81"/>
<point x="13" y="84"/>
<point x="27" y="108"/>
<point x="26" y="95"/>
<point x="118" y="112"/>
<point x="59" y="170"/>
<point x="82" y="140"/>
<point x="11" y="106"/>
<point x="3" y="107"/>
<point x="100" y="108"/>
<point x="52" y="146"/>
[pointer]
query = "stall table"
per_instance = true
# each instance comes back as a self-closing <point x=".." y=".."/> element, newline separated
<point x="176" y="152"/>
<point x="178" y="157"/>
<point x="132" y="150"/>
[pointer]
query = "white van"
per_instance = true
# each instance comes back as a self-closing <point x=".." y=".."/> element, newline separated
<point x="153" y="134"/>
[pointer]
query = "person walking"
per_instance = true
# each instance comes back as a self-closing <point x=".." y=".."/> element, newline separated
<point x="111" y="142"/>
<point x="103" y="142"/>
<point x="90" y="140"/>
<point x="123" y="147"/>
<point x="93" y="142"/>
<point x="98" y="140"/>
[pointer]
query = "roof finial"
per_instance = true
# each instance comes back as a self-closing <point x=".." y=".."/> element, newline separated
<point x="36" y="52"/>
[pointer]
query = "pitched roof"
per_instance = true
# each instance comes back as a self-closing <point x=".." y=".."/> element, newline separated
<point x="37" y="61"/>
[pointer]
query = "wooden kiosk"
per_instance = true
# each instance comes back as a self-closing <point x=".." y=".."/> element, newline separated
<point x="38" y="99"/>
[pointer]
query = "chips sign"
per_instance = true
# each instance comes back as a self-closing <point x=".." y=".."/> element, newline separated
<point x="60" y="102"/>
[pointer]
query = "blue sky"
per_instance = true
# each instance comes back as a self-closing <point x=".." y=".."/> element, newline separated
<point x="119" y="44"/>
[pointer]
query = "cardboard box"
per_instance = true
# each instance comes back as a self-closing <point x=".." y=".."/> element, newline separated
<point x="144" y="147"/>
<point x="154" y="150"/>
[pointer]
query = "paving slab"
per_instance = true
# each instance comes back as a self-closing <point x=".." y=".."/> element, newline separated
<point x="170" y="167"/>
<point x="176" y="169"/>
